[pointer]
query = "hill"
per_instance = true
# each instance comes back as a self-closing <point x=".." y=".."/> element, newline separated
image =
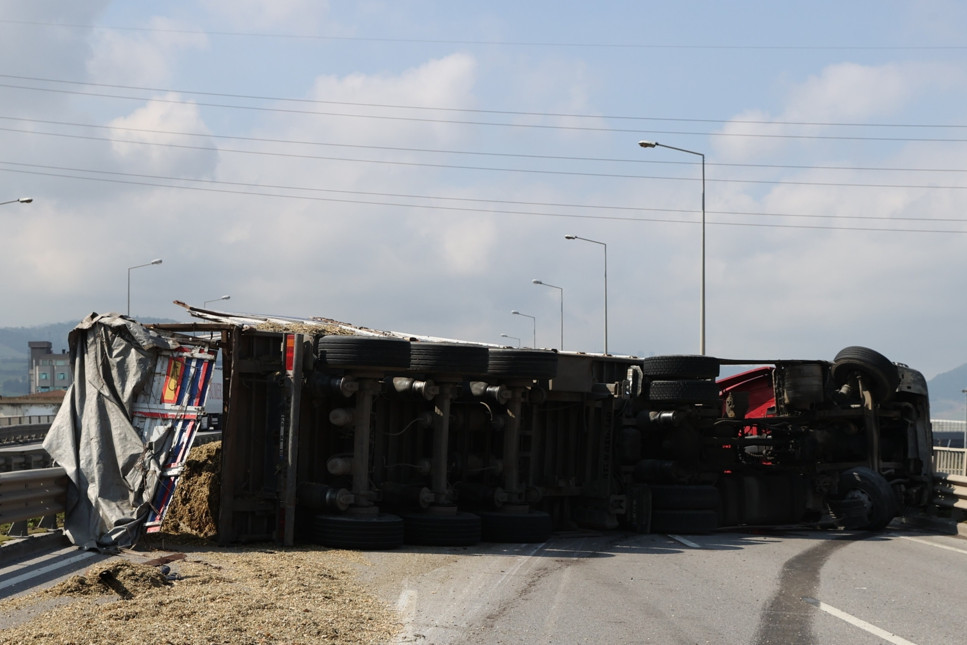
<point x="14" y="351"/>
<point x="947" y="394"/>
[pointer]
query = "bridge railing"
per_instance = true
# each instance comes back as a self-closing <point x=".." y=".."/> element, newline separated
<point x="952" y="461"/>
<point x="23" y="433"/>
<point x="33" y="419"/>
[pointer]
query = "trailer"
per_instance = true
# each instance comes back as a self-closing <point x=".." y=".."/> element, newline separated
<point x="357" y="438"/>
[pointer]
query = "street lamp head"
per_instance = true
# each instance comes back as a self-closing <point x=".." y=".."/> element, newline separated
<point x="19" y="200"/>
<point x="156" y="261"/>
<point x="515" y="312"/>
<point x="648" y="144"/>
<point x="536" y="281"/>
<point x="225" y="297"/>
<point x="570" y="237"/>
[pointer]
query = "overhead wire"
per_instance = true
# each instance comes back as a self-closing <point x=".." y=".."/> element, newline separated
<point x="511" y="124"/>
<point x="490" y="43"/>
<point x="494" y="154"/>
<point x="481" y="153"/>
<point x="451" y="166"/>
<point x="515" y="113"/>
<point x="112" y="177"/>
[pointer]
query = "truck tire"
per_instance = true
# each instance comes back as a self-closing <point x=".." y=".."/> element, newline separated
<point x="683" y="521"/>
<point x="684" y="392"/>
<point x="879" y="373"/>
<point x="358" y="532"/>
<point x="449" y="358"/>
<point x="522" y="363"/>
<point x="680" y="367"/>
<point x="432" y="529"/>
<point x="363" y="351"/>
<point x="879" y="504"/>
<point x="685" y="498"/>
<point x="505" y="527"/>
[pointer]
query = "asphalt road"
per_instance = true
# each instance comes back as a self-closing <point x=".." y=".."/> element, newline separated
<point x="758" y="588"/>
<point x="51" y="560"/>
<point x="788" y="588"/>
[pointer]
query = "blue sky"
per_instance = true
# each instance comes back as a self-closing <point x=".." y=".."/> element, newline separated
<point x="413" y="166"/>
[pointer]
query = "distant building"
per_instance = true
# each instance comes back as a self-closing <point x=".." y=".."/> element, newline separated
<point x="48" y="371"/>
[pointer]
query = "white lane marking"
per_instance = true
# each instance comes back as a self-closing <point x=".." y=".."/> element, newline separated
<point x="406" y="607"/>
<point x="406" y="604"/>
<point x="688" y="543"/>
<point x="889" y="637"/>
<point x="33" y="573"/>
<point x="465" y="603"/>
<point x="934" y="544"/>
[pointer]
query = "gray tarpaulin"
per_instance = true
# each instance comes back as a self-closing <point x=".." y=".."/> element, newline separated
<point x="113" y="472"/>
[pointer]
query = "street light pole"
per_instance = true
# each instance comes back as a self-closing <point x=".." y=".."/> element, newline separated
<point x="22" y="200"/>
<point x="965" y="429"/>
<point x="561" y="289"/>
<point x="578" y="237"/>
<point x="655" y="144"/>
<point x="513" y="337"/>
<point x="156" y="261"/>
<point x="533" y="323"/>
<point x="226" y="297"/>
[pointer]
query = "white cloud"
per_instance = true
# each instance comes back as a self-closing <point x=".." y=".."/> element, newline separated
<point x="853" y="92"/>
<point x="446" y="82"/>
<point x="843" y="93"/>
<point x="259" y="14"/>
<point x="343" y="206"/>
<point x="467" y="245"/>
<point x="165" y="124"/>
<point x="143" y="58"/>
<point x="560" y="87"/>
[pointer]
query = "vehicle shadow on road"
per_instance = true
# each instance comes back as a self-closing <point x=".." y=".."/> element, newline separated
<point x="586" y="544"/>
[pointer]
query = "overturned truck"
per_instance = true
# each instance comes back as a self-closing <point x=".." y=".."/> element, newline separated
<point x="359" y="439"/>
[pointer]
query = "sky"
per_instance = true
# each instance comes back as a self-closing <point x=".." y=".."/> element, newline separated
<point x="414" y="166"/>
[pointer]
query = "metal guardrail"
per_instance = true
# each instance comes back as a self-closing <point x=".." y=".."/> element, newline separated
<point x="951" y="492"/>
<point x="30" y="457"/>
<point x="31" y="494"/>
<point x="950" y="461"/>
<point x="31" y="490"/>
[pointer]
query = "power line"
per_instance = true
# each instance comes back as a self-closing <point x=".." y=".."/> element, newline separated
<point x="480" y="153"/>
<point x="237" y="189"/>
<point x="538" y="126"/>
<point x="492" y="43"/>
<point x="515" y="113"/>
<point x="441" y="166"/>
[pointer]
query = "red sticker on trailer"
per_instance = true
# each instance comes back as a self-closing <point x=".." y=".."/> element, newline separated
<point x="289" y="352"/>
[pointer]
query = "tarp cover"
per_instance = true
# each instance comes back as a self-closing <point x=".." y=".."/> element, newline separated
<point x="113" y="471"/>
